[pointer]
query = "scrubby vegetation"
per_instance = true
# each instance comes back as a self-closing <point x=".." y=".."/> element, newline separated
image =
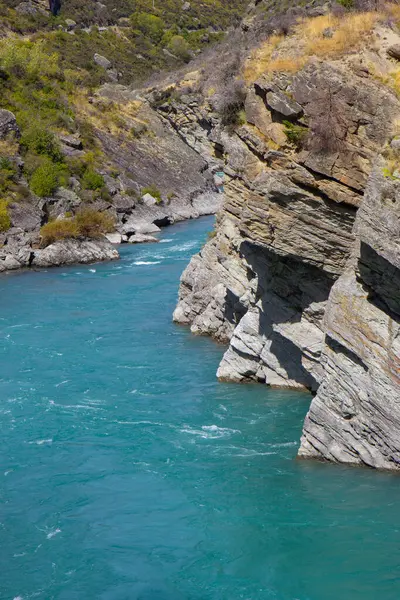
<point x="323" y="36"/>
<point x="133" y="35"/>
<point x="153" y="191"/>
<point x="87" y="223"/>
<point x="5" y="221"/>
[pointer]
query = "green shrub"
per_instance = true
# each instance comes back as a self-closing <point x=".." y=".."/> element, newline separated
<point x="346" y="3"/>
<point x="5" y="221"/>
<point x="45" y="179"/>
<point x="8" y="173"/>
<point x="150" y="25"/>
<point x="23" y="58"/>
<point x="153" y="191"/>
<point x="92" y="180"/>
<point x="296" y="134"/>
<point x="36" y="139"/>
<point x="92" y="223"/>
<point x="179" y="47"/>
<point x="87" y="223"/>
<point x="60" y="229"/>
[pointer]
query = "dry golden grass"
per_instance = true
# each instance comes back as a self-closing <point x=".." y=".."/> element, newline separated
<point x="112" y="117"/>
<point x="393" y="10"/>
<point x="347" y="33"/>
<point x="9" y="147"/>
<point x="258" y="62"/>
<point x="323" y="36"/>
<point x="313" y="28"/>
<point x="286" y="65"/>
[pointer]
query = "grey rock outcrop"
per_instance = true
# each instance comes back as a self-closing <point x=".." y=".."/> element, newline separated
<point x="355" y="416"/>
<point x="8" y="124"/>
<point x="102" y="61"/>
<point x="285" y="231"/>
<point x="69" y="252"/>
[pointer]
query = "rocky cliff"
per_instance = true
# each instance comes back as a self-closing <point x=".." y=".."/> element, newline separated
<point x="297" y="279"/>
<point x="355" y="416"/>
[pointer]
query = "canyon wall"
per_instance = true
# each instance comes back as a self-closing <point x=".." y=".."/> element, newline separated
<point x="295" y="279"/>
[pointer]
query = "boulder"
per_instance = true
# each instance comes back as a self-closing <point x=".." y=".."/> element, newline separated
<point x="134" y="225"/>
<point x="29" y="8"/>
<point x="25" y="216"/>
<point x="139" y="238"/>
<point x="114" y="238"/>
<point x="62" y="202"/>
<point x="70" y="24"/>
<point x="113" y="75"/>
<point x="123" y="203"/>
<point x="10" y="263"/>
<point x="68" y="252"/>
<point x="8" y="124"/>
<point x="74" y="141"/>
<point x="282" y="104"/>
<point x="102" y="61"/>
<point x="149" y="200"/>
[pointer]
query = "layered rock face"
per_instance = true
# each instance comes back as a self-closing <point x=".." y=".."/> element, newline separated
<point x="355" y="417"/>
<point x="286" y="229"/>
<point x="300" y="277"/>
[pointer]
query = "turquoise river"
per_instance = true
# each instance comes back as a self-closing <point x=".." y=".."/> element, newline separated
<point x="129" y="473"/>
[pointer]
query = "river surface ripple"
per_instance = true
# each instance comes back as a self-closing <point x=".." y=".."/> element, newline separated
<point x="129" y="473"/>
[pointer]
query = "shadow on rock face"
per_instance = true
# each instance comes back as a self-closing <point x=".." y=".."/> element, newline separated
<point x="382" y="280"/>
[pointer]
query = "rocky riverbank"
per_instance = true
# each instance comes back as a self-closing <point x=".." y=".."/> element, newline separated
<point x="160" y="156"/>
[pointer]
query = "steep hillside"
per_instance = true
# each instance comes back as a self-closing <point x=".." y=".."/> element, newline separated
<point x="136" y="37"/>
<point x="73" y="139"/>
<point x="298" y="136"/>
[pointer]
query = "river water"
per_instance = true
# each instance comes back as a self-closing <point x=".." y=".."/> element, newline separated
<point x="129" y="473"/>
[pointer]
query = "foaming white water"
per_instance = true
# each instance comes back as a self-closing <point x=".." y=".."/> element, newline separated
<point x="147" y="262"/>
<point x="61" y="383"/>
<point x="211" y="431"/>
<point x="284" y="444"/>
<point x="92" y="270"/>
<point x="51" y="534"/>
<point x="166" y="241"/>
<point x="240" y="452"/>
<point x="184" y="247"/>
<point x="42" y="442"/>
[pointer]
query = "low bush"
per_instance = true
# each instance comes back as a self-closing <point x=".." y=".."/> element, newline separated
<point x="179" y="47"/>
<point x="296" y="134"/>
<point x="45" y="179"/>
<point x="36" y="139"/>
<point x="5" y="221"/>
<point x="88" y="223"/>
<point x="150" y="25"/>
<point x="60" y="229"/>
<point x="92" y="180"/>
<point x="229" y="103"/>
<point x="92" y="223"/>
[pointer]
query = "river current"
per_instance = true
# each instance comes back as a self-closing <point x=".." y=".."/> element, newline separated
<point x="129" y="473"/>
